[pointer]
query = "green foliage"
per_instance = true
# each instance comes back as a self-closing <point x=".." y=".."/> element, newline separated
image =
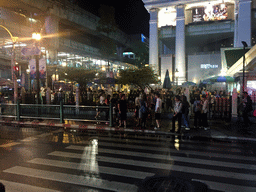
<point x="141" y="77"/>
<point x="79" y="75"/>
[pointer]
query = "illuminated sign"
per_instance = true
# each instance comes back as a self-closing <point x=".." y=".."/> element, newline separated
<point x="208" y="66"/>
<point x="210" y="13"/>
<point x="143" y="38"/>
<point x="167" y="17"/>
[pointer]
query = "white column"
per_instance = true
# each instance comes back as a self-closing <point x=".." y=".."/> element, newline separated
<point x="180" y="60"/>
<point x="236" y="22"/>
<point x="153" y="40"/>
<point x="243" y="27"/>
<point x="234" y="103"/>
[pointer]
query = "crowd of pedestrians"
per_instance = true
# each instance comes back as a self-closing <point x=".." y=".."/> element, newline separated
<point x="148" y="107"/>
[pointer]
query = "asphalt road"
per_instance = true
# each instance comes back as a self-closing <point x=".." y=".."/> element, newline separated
<point x="41" y="159"/>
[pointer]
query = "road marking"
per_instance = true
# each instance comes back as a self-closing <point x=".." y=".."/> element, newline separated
<point x="168" y="149"/>
<point x="9" y="144"/>
<point x="28" y="139"/>
<point x="87" y="167"/>
<point x="84" y="180"/>
<point x="169" y="157"/>
<point x="18" y="187"/>
<point x="156" y="165"/>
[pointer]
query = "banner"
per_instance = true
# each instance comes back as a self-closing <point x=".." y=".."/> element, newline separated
<point x="42" y="68"/>
<point x="210" y="13"/>
<point x="32" y="67"/>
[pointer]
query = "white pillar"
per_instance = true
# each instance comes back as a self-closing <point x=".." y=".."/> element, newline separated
<point x="236" y="22"/>
<point x="153" y="40"/>
<point x="243" y="27"/>
<point x="180" y="60"/>
<point x="234" y="103"/>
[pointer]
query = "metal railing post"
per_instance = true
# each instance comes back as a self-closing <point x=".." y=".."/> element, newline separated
<point x="18" y="110"/>
<point x="111" y="115"/>
<point x="61" y="111"/>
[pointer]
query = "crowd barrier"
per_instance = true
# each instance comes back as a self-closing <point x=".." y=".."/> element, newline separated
<point x="58" y="112"/>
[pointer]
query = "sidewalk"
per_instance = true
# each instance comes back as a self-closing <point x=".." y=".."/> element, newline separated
<point x="219" y="129"/>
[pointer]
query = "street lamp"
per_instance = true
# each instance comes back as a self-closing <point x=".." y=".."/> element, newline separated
<point x="37" y="37"/>
<point x="245" y="45"/>
<point x="176" y="75"/>
<point x="14" y="78"/>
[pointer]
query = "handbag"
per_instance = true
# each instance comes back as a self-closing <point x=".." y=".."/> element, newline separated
<point x="254" y="113"/>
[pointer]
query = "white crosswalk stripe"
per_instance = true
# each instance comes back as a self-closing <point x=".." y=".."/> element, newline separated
<point x="18" y="187"/>
<point x="160" y="166"/>
<point x="126" y="163"/>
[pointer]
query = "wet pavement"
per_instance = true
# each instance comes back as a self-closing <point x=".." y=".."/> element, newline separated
<point x="219" y="128"/>
<point x="70" y="160"/>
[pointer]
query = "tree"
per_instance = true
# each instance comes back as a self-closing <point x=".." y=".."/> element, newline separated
<point x="79" y="75"/>
<point x="140" y="77"/>
<point x="107" y="24"/>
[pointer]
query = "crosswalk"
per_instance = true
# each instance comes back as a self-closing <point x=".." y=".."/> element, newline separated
<point x="116" y="164"/>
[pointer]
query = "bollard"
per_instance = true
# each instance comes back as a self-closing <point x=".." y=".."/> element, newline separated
<point x="61" y="111"/>
<point x="111" y="115"/>
<point x="18" y="110"/>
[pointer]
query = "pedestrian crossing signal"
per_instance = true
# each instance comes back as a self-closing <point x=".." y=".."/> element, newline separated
<point x="16" y="70"/>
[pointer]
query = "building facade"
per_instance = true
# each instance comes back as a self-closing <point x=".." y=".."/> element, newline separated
<point x="70" y="37"/>
<point x="186" y="36"/>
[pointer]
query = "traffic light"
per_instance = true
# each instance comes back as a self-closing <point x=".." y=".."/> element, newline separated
<point x="16" y="71"/>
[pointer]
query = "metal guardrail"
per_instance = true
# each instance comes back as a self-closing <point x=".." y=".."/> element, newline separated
<point x="57" y="112"/>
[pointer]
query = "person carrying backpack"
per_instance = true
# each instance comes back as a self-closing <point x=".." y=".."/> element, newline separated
<point x="197" y="106"/>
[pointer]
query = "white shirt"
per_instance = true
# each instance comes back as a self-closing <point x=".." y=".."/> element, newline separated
<point x="158" y="105"/>
<point x="102" y="100"/>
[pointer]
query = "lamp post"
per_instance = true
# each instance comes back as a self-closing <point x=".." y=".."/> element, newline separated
<point x="37" y="37"/>
<point x="14" y="78"/>
<point x="245" y="45"/>
<point x="176" y="76"/>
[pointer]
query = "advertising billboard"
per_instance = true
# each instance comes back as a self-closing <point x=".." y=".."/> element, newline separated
<point x="167" y="17"/>
<point x="210" y="13"/>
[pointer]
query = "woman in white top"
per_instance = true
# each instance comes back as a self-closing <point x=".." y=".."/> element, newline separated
<point x="177" y="114"/>
<point x="205" y="110"/>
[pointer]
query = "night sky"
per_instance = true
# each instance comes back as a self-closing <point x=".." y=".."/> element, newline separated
<point x="131" y="16"/>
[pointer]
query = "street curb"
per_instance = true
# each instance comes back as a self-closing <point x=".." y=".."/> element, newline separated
<point x="86" y="127"/>
<point x="102" y="128"/>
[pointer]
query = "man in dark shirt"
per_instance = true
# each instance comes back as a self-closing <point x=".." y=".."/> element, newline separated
<point x="247" y="107"/>
<point x="122" y="110"/>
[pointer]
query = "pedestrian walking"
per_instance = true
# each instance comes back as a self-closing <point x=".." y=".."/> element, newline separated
<point x="107" y="103"/>
<point x="114" y="101"/>
<point x="137" y="107"/>
<point x="185" y="112"/>
<point x="205" y="110"/>
<point x="101" y="103"/>
<point x="197" y="108"/>
<point x="143" y="112"/>
<point x="158" y="110"/>
<point x="177" y="114"/>
<point x="122" y="110"/>
<point x="247" y="107"/>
